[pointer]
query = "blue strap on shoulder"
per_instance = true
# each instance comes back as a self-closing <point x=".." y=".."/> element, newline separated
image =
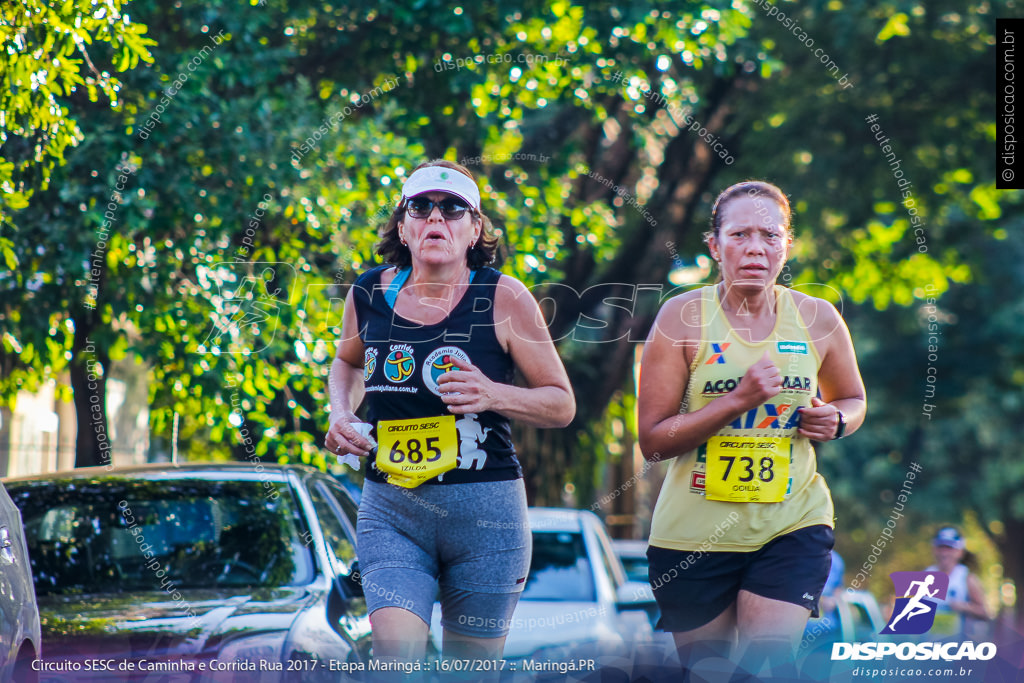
<point x="391" y="296"/>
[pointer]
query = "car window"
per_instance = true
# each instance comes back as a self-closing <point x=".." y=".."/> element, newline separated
<point x="636" y="568"/>
<point x="338" y="536"/>
<point x="111" y="535"/>
<point x="348" y="506"/>
<point x="559" y="569"/>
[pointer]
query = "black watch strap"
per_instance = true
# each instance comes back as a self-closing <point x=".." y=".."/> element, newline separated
<point x="841" y="427"/>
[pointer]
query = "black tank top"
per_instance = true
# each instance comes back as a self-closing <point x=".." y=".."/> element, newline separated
<point x="400" y="371"/>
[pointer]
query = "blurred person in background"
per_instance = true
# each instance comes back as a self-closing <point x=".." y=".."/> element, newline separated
<point x="964" y="612"/>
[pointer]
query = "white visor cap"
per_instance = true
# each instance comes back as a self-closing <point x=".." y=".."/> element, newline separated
<point x="442" y="179"/>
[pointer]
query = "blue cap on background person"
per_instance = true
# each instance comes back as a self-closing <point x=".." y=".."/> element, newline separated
<point x="949" y="536"/>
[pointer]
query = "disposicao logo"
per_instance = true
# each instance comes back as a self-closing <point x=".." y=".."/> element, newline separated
<point x="914" y="614"/>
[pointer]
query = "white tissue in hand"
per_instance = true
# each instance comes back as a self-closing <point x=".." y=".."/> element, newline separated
<point x="364" y="430"/>
<point x="351" y="460"/>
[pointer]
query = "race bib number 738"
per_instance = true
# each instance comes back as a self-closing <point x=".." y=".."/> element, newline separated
<point x="747" y="469"/>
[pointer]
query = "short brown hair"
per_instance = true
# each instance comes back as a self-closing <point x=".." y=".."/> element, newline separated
<point x="391" y="249"/>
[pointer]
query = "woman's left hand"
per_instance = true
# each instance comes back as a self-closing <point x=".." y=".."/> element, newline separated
<point x="820" y="421"/>
<point x="467" y="390"/>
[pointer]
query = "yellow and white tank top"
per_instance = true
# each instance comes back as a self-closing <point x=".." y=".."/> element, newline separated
<point x="757" y="478"/>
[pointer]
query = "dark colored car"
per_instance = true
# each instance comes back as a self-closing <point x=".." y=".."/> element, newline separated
<point x="19" y="617"/>
<point x="197" y="571"/>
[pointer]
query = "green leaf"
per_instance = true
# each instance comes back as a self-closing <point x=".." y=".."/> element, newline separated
<point x="895" y="26"/>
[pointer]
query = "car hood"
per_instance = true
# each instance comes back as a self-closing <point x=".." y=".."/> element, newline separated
<point x="542" y="623"/>
<point x="187" y="623"/>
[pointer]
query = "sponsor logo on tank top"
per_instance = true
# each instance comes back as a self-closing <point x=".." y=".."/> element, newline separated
<point x="439" y="362"/>
<point x="369" y="362"/>
<point x="719" y="387"/>
<point x="768" y="416"/>
<point x="791" y="347"/>
<point x="724" y="386"/>
<point x="717" y="354"/>
<point x="699" y="472"/>
<point x="400" y="364"/>
<point x="795" y="383"/>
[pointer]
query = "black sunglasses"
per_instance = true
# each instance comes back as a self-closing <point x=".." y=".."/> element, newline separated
<point x="451" y="209"/>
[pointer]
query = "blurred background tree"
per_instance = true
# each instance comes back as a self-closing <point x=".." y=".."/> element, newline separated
<point x="286" y="129"/>
<point x="55" y="69"/>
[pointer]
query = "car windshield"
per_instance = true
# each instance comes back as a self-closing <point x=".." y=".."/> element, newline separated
<point x="108" y="535"/>
<point x="560" y="570"/>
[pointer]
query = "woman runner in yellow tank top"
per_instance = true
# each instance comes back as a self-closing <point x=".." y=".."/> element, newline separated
<point x="736" y="381"/>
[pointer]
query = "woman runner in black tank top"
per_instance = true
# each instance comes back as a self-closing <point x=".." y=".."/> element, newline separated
<point x="431" y="342"/>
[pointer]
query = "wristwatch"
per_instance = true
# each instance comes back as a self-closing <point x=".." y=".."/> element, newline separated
<point x="841" y="427"/>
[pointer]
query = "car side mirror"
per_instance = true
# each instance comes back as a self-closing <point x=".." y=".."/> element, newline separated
<point x="345" y="587"/>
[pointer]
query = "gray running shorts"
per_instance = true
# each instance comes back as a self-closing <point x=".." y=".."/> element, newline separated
<point x="467" y="545"/>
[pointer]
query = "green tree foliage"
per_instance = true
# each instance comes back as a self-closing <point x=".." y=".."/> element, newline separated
<point x="57" y="59"/>
<point x="54" y="57"/>
<point x="208" y="151"/>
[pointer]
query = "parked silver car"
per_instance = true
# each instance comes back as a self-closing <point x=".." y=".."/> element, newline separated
<point x="578" y="601"/>
<point x="209" y="571"/>
<point x="19" y="615"/>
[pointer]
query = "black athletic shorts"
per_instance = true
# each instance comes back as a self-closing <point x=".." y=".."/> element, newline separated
<point x="693" y="587"/>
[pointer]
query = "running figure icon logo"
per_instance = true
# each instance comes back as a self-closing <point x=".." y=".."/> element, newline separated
<point x="399" y="364"/>
<point x="914" y="613"/>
